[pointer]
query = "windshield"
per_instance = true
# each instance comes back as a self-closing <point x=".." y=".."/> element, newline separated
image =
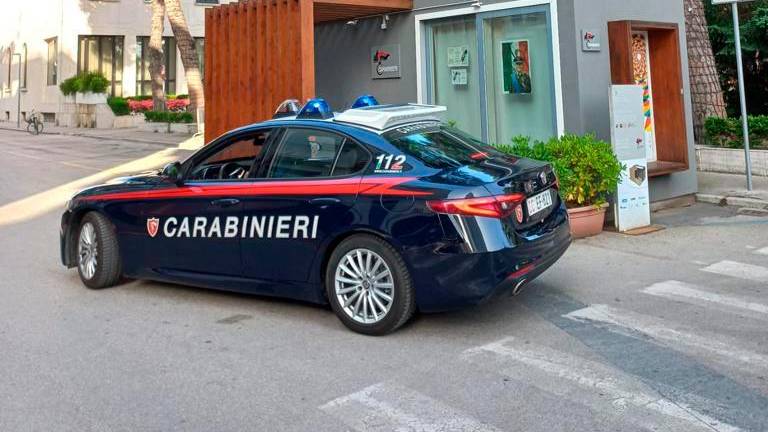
<point x="440" y="146"/>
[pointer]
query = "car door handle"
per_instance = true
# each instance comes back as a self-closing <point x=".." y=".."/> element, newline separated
<point x="225" y="202"/>
<point x="324" y="201"/>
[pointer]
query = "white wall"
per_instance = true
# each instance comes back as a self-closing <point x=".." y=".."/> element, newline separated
<point x="34" y="21"/>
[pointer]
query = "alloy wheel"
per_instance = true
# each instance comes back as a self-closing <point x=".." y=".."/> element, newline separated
<point x="87" y="251"/>
<point x="364" y="286"/>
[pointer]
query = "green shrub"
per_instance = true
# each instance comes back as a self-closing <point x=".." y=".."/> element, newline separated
<point x="586" y="167"/>
<point x="168" y="117"/>
<point x="71" y="85"/>
<point x="140" y="98"/>
<point x="728" y="132"/>
<point x="90" y="82"/>
<point x="119" y="106"/>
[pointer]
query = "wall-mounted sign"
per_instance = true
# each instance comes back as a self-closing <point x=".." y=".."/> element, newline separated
<point x="385" y="61"/>
<point x="516" y="67"/>
<point x="590" y="41"/>
<point x="632" y="206"/>
<point x="459" y="77"/>
<point x="458" y="56"/>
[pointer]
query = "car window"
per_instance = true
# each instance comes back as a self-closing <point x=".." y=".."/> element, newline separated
<point x="234" y="160"/>
<point x="308" y="153"/>
<point x="440" y="146"/>
<point x="352" y="159"/>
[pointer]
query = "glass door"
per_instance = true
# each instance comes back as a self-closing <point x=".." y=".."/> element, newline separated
<point x="495" y="73"/>
<point x="454" y="71"/>
<point x="516" y="46"/>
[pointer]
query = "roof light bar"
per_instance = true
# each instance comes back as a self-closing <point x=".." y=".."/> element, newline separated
<point x="365" y="101"/>
<point x="382" y="117"/>
<point x="288" y="108"/>
<point x="315" y="109"/>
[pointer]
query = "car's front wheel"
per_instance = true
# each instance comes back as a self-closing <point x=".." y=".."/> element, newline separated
<point x="369" y="286"/>
<point x="98" y="256"/>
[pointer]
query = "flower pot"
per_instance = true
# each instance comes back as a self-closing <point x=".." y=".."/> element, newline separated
<point x="587" y="221"/>
<point x="91" y="98"/>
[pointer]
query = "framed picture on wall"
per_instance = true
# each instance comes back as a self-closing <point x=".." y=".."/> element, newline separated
<point x="516" y="67"/>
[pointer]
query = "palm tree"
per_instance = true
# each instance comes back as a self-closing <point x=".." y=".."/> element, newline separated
<point x="156" y="55"/>
<point x="186" y="45"/>
<point x="706" y="92"/>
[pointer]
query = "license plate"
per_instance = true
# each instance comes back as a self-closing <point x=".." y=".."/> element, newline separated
<point x="538" y="203"/>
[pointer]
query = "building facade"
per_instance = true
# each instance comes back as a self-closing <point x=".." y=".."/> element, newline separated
<point x="43" y="42"/>
<point x="537" y="68"/>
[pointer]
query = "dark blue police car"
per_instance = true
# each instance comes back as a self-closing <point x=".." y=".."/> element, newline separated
<point x="379" y="210"/>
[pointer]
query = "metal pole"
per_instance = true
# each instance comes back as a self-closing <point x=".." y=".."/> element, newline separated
<point x="742" y="93"/>
<point x="18" y="94"/>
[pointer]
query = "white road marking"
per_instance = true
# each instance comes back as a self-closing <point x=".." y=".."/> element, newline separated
<point x="511" y="353"/>
<point x="763" y="251"/>
<point x="682" y="291"/>
<point x="390" y="407"/>
<point x="662" y="330"/>
<point x="739" y="270"/>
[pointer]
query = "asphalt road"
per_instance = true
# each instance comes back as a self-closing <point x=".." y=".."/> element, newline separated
<point x="663" y="332"/>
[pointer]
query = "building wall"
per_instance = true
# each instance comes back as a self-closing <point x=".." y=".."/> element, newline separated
<point x="342" y="65"/>
<point x="34" y="21"/>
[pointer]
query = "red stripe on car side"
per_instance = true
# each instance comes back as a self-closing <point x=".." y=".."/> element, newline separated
<point x="368" y="186"/>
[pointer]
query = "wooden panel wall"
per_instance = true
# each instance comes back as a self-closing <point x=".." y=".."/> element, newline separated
<point x="257" y="54"/>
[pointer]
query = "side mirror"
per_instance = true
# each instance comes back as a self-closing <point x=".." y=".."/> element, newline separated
<point x="172" y="171"/>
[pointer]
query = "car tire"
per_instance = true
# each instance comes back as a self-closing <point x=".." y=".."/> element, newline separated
<point x="96" y="239"/>
<point x="371" y="285"/>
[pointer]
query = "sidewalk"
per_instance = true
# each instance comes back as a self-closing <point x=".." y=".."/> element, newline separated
<point x="731" y="189"/>
<point x="123" y="134"/>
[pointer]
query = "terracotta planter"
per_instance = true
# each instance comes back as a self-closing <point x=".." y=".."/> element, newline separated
<point x="587" y="221"/>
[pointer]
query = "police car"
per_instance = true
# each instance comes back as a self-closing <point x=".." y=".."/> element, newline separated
<point x="379" y="211"/>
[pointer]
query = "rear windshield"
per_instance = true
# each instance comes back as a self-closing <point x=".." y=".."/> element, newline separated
<point x="440" y="146"/>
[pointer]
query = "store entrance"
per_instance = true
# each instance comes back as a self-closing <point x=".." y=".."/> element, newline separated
<point x="495" y="73"/>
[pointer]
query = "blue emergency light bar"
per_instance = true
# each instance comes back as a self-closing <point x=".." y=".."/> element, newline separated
<point x="315" y="109"/>
<point x="365" y="101"/>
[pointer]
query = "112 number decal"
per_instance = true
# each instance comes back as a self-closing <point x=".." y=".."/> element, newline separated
<point x="390" y="163"/>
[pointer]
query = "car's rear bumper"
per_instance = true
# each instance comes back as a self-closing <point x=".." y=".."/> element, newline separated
<point x="447" y="277"/>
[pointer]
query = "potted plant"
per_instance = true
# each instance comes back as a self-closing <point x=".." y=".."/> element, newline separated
<point x="89" y="88"/>
<point x="588" y="172"/>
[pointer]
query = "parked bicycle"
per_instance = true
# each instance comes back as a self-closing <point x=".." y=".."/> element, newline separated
<point x="34" y="123"/>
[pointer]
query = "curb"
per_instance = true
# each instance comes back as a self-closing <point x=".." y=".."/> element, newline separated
<point x="102" y="137"/>
<point x="724" y="200"/>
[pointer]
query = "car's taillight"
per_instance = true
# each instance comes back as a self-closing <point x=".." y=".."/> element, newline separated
<point x="500" y="206"/>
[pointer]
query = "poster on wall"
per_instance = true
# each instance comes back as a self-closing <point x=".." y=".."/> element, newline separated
<point x="516" y="67"/>
<point x="458" y="56"/>
<point x="632" y="203"/>
<point x="385" y="61"/>
<point x="459" y="77"/>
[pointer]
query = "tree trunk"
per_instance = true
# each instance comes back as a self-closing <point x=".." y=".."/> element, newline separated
<point x="706" y="92"/>
<point x="156" y="63"/>
<point x="186" y="45"/>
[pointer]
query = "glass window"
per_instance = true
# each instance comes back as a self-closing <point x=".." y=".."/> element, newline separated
<point x="24" y="66"/>
<point x="456" y="72"/>
<point x="143" y="78"/>
<point x="306" y="153"/>
<point x="103" y="54"/>
<point x="519" y="77"/>
<point x="439" y="146"/>
<point x="53" y="65"/>
<point x="234" y="160"/>
<point x="352" y="159"/>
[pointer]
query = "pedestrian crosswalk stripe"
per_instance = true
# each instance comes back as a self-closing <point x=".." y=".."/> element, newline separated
<point x="739" y="270"/>
<point x="763" y="251"/>
<point x="391" y="407"/>
<point x="682" y="291"/>
<point x="601" y="380"/>
<point x="663" y="330"/>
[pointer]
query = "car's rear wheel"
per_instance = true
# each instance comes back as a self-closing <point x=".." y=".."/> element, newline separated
<point x="98" y="256"/>
<point x="369" y="286"/>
